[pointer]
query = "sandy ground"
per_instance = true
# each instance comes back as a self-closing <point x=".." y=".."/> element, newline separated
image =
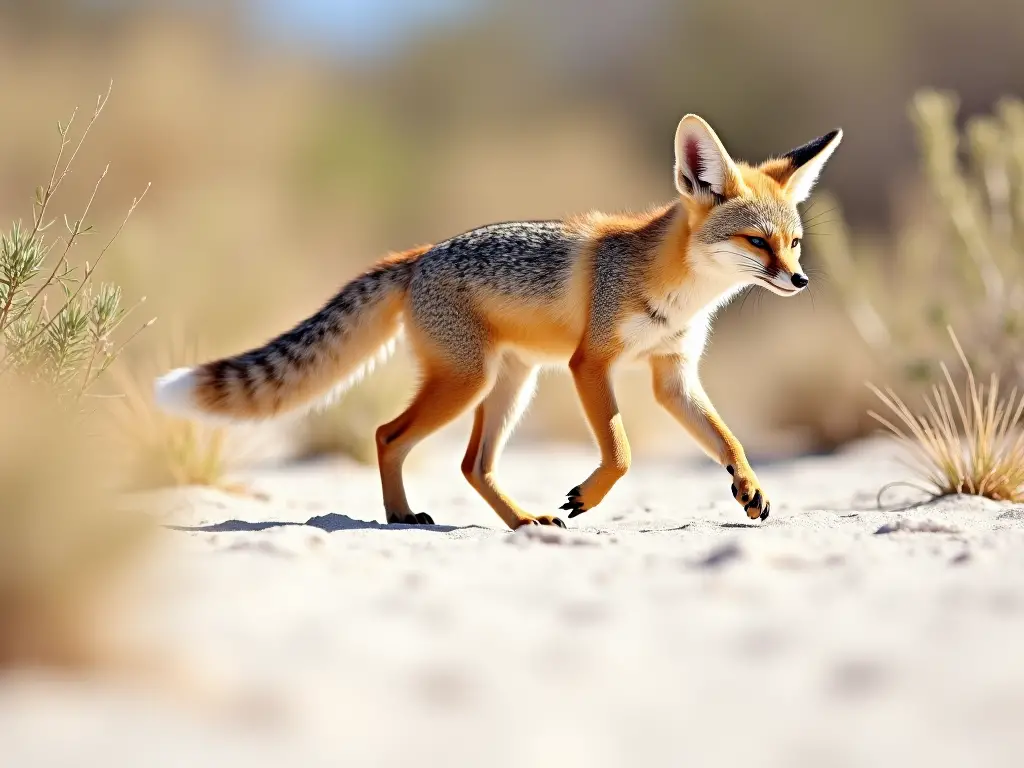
<point x="661" y="629"/>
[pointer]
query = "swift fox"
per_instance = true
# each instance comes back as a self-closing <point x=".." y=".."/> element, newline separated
<point x="483" y="310"/>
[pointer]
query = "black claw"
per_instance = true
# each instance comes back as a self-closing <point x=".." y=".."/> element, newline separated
<point x="558" y="521"/>
<point x="574" y="506"/>
<point x="767" y="509"/>
<point x="424" y="519"/>
<point x="734" y="490"/>
<point x="731" y="469"/>
<point x="756" y="501"/>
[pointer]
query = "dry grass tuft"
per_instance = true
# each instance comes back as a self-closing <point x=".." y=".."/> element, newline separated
<point x="161" y="450"/>
<point x="970" y="444"/>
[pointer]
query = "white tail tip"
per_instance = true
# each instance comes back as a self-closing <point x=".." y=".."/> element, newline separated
<point x="175" y="392"/>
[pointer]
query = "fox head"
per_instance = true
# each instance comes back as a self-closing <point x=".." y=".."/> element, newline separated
<point x="744" y="222"/>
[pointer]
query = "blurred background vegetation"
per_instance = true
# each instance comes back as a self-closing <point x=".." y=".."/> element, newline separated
<point x="290" y="143"/>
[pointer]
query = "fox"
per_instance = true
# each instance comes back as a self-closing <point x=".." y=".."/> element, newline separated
<point x="483" y="311"/>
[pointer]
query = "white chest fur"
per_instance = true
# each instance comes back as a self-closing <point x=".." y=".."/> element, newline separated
<point x="667" y="318"/>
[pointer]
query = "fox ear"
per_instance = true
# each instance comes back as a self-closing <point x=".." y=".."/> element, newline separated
<point x="798" y="170"/>
<point x="703" y="167"/>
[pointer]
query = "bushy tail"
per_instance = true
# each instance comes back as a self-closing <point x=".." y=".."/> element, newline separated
<point x="306" y="364"/>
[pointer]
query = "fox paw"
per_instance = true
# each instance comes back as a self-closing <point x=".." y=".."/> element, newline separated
<point x="543" y="520"/>
<point x="747" y="491"/>
<point x="575" y="503"/>
<point x="420" y="518"/>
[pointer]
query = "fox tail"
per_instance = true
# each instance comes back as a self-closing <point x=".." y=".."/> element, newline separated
<point x="320" y="357"/>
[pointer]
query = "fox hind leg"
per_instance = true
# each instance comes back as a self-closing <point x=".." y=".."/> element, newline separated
<point x="493" y="422"/>
<point x="446" y="392"/>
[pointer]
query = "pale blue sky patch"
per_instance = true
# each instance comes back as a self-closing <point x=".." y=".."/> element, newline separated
<point x="357" y="27"/>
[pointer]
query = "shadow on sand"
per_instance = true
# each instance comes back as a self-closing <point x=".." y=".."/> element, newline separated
<point x="329" y="523"/>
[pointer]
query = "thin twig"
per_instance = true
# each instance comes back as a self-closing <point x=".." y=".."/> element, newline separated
<point x="101" y="102"/>
<point x="932" y="496"/>
<point x="114" y="355"/>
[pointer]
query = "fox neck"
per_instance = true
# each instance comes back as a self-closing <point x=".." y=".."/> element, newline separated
<point x="682" y="274"/>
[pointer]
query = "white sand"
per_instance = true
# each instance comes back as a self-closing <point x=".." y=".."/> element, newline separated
<point x="663" y="629"/>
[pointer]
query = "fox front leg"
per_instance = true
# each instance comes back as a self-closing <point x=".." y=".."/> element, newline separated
<point x="677" y="388"/>
<point x="592" y="376"/>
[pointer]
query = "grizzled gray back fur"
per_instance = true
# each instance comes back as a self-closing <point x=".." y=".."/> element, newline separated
<point x="532" y="257"/>
<point x="521" y="258"/>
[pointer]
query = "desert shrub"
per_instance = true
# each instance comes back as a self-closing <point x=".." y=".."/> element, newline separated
<point x="955" y="258"/>
<point x="959" y="265"/>
<point x="65" y="544"/>
<point x="971" y="444"/>
<point x="57" y="325"/>
<point x="958" y="260"/>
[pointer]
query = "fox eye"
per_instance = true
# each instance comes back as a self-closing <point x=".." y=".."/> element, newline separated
<point x="758" y="242"/>
<point x="795" y="243"/>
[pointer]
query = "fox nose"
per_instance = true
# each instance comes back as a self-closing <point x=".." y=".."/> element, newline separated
<point x="800" y="279"/>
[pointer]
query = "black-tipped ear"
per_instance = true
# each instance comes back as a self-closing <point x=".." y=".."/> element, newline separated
<point x="807" y="152"/>
<point x="805" y="164"/>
